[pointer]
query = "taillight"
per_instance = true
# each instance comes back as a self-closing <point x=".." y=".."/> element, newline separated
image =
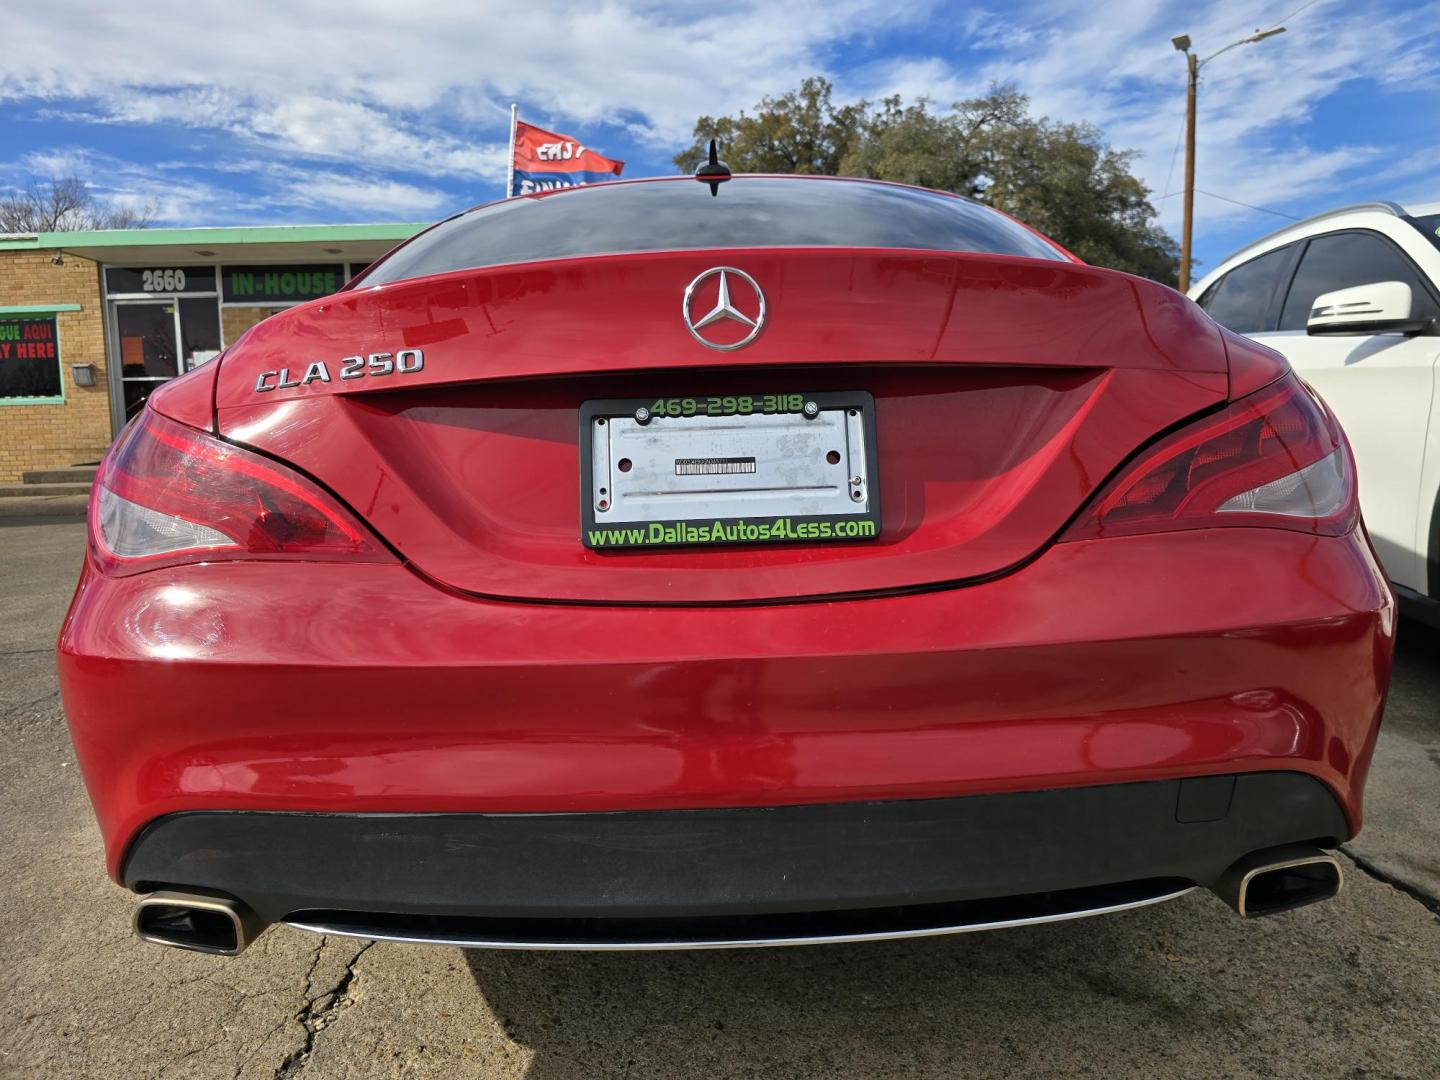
<point x="1275" y="458"/>
<point x="168" y="494"/>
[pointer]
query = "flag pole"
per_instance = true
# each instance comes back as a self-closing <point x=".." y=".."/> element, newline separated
<point x="510" y="160"/>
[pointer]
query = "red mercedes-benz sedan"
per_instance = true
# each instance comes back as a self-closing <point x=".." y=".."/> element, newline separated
<point x="675" y="564"/>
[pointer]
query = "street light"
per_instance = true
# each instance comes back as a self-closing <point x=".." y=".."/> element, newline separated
<point x="1182" y="44"/>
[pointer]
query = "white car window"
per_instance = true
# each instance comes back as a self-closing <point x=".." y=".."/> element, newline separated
<point x="1343" y="260"/>
<point x="1241" y="300"/>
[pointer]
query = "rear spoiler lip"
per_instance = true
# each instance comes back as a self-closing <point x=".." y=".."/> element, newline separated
<point x="357" y="285"/>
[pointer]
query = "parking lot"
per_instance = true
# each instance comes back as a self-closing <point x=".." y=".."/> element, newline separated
<point x="1349" y="988"/>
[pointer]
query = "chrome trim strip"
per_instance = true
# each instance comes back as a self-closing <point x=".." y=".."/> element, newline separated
<point x="757" y="943"/>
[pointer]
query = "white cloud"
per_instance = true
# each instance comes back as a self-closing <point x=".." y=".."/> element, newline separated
<point x="384" y="107"/>
<point x="124" y="184"/>
<point x="56" y="163"/>
<point x="397" y="80"/>
<point x="387" y="105"/>
<point x="1113" y="64"/>
<point x="930" y="77"/>
<point x="389" y="198"/>
<point x="285" y="192"/>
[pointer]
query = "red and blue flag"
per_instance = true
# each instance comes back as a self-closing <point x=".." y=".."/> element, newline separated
<point x="543" y="161"/>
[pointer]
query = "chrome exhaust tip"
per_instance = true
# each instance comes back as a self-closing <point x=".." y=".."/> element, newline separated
<point x="1280" y="879"/>
<point x="208" y="924"/>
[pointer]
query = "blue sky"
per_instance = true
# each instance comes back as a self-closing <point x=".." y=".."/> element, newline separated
<point x="311" y="111"/>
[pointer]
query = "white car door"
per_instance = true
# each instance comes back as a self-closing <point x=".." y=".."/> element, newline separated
<point x="1380" y="387"/>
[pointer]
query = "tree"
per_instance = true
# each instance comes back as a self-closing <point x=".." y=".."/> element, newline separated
<point x="948" y="152"/>
<point x="1063" y="179"/>
<point x="801" y="132"/>
<point x="66" y="205"/>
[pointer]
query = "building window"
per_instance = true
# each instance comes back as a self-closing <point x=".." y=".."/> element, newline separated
<point x="30" y="359"/>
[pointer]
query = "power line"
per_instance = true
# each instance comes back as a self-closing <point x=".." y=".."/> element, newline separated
<point x="1237" y="202"/>
<point x="1297" y="11"/>
<point x="1248" y="206"/>
<point x="1170" y="173"/>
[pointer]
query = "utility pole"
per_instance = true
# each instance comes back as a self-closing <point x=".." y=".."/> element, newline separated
<point x="1193" y="65"/>
<point x="1188" y="229"/>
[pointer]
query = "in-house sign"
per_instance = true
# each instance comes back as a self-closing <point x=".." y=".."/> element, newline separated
<point x="280" y="284"/>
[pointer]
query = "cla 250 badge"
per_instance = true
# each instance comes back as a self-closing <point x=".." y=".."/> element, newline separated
<point x="404" y="362"/>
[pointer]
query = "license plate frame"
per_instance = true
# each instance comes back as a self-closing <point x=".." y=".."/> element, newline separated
<point x="703" y="512"/>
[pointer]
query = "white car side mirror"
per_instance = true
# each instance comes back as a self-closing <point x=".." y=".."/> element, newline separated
<point x="1382" y="307"/>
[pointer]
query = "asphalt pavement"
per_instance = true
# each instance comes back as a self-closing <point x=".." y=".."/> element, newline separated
<point x="1348" y="988"/>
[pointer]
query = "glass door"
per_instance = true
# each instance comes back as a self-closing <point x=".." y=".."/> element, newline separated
<point x="199" y="319"/>
<point x="160" y="339"/>
<point x="149" y="352"/>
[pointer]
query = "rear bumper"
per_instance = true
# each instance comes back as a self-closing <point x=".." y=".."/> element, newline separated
<point x="665" y="865"/>
<point x="364" y="689"/>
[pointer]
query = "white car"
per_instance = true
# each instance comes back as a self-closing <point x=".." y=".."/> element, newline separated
<point x="1352" y="299"/>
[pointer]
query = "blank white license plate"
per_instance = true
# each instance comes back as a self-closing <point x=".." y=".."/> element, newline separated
<point x="732" y="469"/>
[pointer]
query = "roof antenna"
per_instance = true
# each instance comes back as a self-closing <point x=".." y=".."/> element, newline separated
<point x="714" y="172"/>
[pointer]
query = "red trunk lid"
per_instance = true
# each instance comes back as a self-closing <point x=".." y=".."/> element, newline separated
<point x="1006" y="390"/>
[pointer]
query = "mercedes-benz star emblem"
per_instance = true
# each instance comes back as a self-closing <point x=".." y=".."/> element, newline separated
<point x="725" y="309"/>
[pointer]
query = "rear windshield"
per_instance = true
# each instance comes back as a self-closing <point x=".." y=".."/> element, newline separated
<point x="678" y="214"/>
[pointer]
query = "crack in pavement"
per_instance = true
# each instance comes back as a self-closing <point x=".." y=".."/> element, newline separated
<point x="7" y="710"/>
<point x="319" y="1009"/>
<point x="1371" y="869"/>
